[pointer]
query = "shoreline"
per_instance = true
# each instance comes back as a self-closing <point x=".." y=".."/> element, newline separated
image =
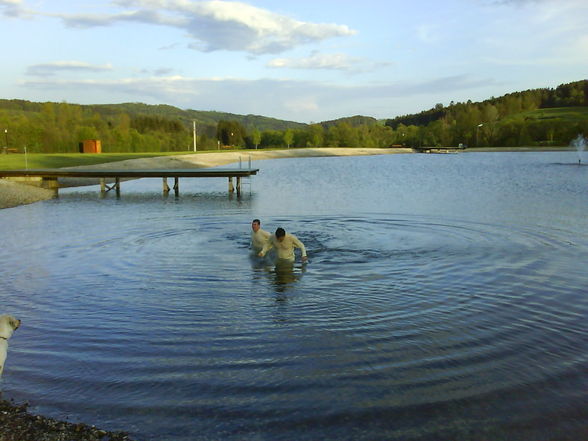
<point x="17" y="424"/>
<point x="13" y="194"/>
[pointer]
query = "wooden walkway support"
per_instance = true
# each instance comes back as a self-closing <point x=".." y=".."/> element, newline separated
<point x="48" y="178"/>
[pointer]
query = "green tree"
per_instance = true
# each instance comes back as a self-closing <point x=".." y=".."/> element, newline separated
<point x="316" y="135"/>
<point x="231" y="133"/>
<point x="256" y="137"/>
<point x="85" y="132"/>
<point x="272" y="138"/>
<point x="288" y="137"/>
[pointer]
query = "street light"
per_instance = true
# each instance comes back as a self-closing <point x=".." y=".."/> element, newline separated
<point x="477" y="129"/>
<point x="194" y="135"/>
<point x="6" y="140"/>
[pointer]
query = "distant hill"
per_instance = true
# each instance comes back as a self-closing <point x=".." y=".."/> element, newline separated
<point x="573" y="94"/>
<point x="203" y="118"/>
<point x="186" y="116"/>
<point x="558" y="114"/>
<point x="353" y="121"/>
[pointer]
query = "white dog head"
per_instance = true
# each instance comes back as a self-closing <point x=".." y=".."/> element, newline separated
<point x="8" y="324"/>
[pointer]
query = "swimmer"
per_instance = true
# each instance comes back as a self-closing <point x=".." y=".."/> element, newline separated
<point x="259" y="237"/>
<point x="284" y="243"/>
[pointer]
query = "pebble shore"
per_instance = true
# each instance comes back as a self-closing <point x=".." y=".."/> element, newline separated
<point x="13" y="194"/>
<point x="17" y="424"/>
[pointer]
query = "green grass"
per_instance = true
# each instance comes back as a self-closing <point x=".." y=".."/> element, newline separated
<point x="14" y="161"/>
<point x="567" y="114"/>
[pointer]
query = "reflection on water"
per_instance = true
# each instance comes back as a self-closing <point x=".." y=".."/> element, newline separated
<point x="281" y="273"/>
<point x="445" y="300"/>
<point x="285" y="275"/>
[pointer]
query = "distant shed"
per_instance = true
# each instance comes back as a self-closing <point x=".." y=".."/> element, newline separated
<point x="91" y="146"/>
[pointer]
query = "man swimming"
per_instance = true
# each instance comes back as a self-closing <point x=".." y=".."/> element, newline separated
<point x="259" y="237"/>
<point x="284" y="243"/>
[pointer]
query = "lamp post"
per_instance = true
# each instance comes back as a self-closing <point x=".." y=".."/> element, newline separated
<point x="5" y="141"/>
<point x="194" y="135"/>
<point x="477" y="130"/>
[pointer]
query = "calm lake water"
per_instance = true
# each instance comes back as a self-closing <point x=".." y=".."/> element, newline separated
<point x="446" y="298"/>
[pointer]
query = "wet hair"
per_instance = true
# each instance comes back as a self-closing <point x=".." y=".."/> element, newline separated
<point x="256" y="221"/>
<point x="280" y="232"/>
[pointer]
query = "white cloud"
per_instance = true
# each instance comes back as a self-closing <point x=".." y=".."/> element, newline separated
<point x="341" y="62"/>
<point x="55" y="67"/>
<point x="218" y="25"/>
<point x="13" y="8"/>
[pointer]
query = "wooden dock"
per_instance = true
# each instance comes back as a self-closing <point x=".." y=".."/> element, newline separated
<point x="48" y="178"/>
<point x="436" y="150"/>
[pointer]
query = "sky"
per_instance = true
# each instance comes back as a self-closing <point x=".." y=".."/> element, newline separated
<point x="303" y="60"/>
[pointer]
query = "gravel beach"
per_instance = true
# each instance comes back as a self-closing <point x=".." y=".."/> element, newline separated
<point x="17" y="424"/>
<point x="13" y="194"/>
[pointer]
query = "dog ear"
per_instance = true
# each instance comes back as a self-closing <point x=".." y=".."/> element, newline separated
<point x="15" y="323"/>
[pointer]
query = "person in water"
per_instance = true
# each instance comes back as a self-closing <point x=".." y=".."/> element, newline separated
<point x="284" y="243"/>
<point x="259" y="237"/>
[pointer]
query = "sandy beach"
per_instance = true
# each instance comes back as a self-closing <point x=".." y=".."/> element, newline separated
<point x="13" y="194"/>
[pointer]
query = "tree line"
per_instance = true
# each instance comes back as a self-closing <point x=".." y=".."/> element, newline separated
<point x="60" y="127"/>
<point x="533" y="117"/>
<point x="525" y="118"/>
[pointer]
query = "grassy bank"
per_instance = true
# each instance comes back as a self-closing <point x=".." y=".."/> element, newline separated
<point x="58" y="160"/>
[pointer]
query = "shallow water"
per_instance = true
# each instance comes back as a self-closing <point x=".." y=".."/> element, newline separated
<point x="445" y="299"/>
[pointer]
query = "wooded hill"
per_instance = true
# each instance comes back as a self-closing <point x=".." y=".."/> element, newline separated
<point x="532" y="117"/>
<point x="546" y="117"/>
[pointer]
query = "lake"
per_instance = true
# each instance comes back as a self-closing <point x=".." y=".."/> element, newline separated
<point x="445" y="299"/>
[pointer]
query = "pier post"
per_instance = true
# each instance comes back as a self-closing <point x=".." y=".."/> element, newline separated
<point x="231" y="186"/>
<point x="102" y="186"/>
<point x="117" y="186"/>
<point x="165" y="186"/>
<point x="50" y="184"/>
<point x="177" y="185"/>
<point x="238" y="185"/>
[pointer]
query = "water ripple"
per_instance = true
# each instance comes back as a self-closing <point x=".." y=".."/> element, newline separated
<point x="393" y="315"/>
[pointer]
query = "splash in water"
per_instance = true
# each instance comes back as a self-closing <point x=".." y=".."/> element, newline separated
<point x="579" y="143"/>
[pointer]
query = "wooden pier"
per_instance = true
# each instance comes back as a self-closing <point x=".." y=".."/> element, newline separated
<point x="48" y="178"/>
<point x="437" y="150"/>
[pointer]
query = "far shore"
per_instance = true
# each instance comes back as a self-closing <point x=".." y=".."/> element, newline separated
<point x="13" y="194"/>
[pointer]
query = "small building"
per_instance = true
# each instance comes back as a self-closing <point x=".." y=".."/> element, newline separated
<point x="90" y="146"/>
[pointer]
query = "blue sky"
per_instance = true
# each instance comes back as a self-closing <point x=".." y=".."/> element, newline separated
<point x="305" y="61"/>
